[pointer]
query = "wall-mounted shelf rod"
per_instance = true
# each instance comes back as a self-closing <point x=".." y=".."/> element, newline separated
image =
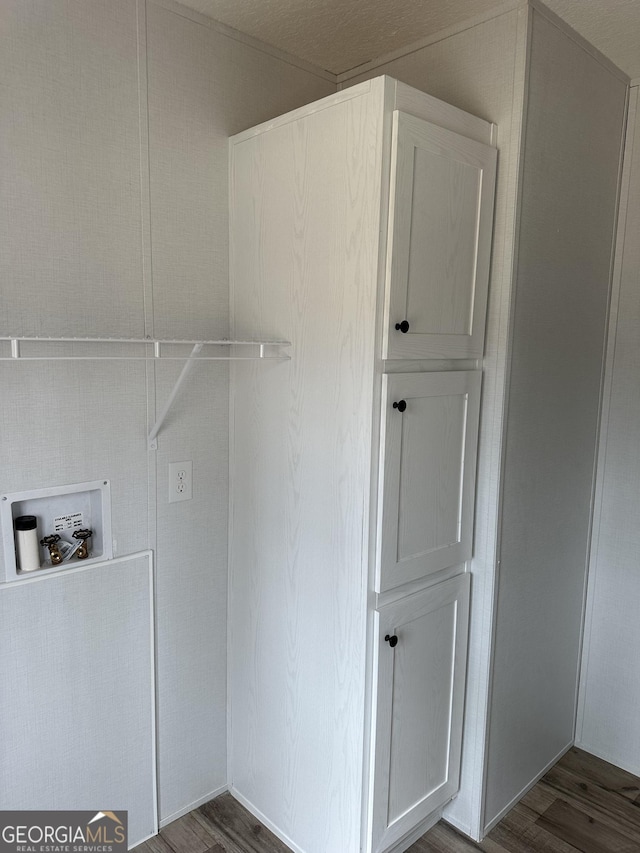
<point x="144" y="349"/>
<point x="196" y="355"/>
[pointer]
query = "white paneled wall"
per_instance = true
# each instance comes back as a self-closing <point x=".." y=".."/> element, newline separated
<point x="113" y="168"/>
<point x="203" y="87"/>
<point x="569" y="184"/>
<point x="87" y="635"/>
<point x="70" y="424"/>
<point x="70" y="225"/>
<point x="610" y="682"/>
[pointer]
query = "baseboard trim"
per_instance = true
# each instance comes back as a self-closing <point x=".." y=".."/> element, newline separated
<point x="496" y="820"/>
<point x="463" y="829"/>
<point x="194" y="805"/>
<point x="634" y="769"/>
<point x="265" y="820"/>
<point x="141" y="840"/>
<point x="417" y="832"/>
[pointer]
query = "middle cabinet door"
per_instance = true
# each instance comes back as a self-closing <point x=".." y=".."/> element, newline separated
<point x="427" y="474"/>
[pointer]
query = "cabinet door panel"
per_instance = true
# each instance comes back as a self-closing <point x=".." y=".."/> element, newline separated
<point x="439" y="246"/>
<point x="421" y="660"/>
<point x="428" y="474"/>
<point x="419" y="709"/>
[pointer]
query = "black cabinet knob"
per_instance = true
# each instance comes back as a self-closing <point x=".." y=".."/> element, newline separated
<point x="392" y="640"/>
<point x="403" y="327"/>
<point x="401" y="405"/>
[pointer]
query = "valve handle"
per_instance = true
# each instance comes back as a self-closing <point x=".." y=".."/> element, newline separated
<point x="83" y="534"/>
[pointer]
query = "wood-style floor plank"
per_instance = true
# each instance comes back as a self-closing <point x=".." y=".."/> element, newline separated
<point x="227" y="815"/>
<point x="601" y="773"/>
<point x="157" y="844"/>
<point x="187" y="833"/>
<point x="221" y="835"/>
<point x="584" y="832"/>
<point x="610" y="808"/>
<point x="519" y="832"/>
<point x="582" y="805"/>
<point x="539" y="798"/>
<point x="443" y="839"/>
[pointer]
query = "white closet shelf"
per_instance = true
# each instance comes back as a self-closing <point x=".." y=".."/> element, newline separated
<point x="141" y="349"/>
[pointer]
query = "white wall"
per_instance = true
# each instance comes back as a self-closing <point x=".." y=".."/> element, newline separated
<point x="87" y="634"/>
<point x="113" y="166"/>
<point x="610" y="681"/>
<point x="571" y="157"/>
<point x="203" y="87"/>
<point x="481" y="70"/>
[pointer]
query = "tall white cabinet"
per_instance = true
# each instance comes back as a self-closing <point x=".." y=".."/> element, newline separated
<point x="360" y="232"/>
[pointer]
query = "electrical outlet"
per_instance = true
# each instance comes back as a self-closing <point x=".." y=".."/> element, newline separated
<point x="180" y="481"/>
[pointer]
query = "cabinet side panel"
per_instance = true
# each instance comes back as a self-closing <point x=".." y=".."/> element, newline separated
<point x="304" y="235"/>
<point x="569" y="195"/>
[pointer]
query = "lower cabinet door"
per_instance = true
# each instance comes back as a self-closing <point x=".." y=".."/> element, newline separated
<point x="418" y="733"/>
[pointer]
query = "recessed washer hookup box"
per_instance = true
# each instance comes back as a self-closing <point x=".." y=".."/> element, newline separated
<point x="59" y="511"/>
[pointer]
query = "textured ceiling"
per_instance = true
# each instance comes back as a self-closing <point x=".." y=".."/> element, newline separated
<point x="338" y="35"/>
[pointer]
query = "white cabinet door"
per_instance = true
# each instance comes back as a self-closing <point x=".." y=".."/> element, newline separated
<point x="440" y="224"/>
<point x="422" y="648"/>
<point x="428" y="466"/>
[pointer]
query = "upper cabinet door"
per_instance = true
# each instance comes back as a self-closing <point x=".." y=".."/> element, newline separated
<point x="427" y="474"/>
<point x="438" y="254"/>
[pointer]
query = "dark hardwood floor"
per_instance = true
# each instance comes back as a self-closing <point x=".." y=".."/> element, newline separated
<point x="583" y="804"/>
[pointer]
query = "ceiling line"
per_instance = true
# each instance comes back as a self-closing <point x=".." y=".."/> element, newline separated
<point x="503" y="9"/>
<point x="237" y="35"/>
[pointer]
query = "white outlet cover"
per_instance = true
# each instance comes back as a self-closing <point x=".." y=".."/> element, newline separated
<point x="180" y="481"/>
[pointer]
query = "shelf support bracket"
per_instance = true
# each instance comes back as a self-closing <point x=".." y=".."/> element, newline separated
<point x="188" y="365"/>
